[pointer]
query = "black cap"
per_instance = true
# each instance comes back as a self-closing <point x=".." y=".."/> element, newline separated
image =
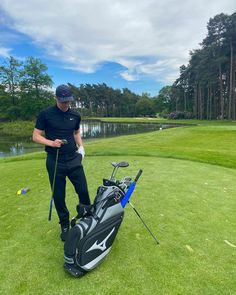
<point x="63" y="93"/>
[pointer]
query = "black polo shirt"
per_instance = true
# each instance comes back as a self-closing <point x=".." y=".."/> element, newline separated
<point x="59" y="125"/>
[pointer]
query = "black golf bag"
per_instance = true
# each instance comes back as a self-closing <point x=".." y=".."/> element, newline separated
<point x="90" y="240"/>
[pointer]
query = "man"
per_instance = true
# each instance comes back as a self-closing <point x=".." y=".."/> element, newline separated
<point x="54" y="125"/>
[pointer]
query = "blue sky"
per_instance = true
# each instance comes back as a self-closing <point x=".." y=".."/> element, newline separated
<point x="132" y="44"/>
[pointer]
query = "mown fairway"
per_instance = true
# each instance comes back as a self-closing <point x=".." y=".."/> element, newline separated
<point x="188" y="203"/>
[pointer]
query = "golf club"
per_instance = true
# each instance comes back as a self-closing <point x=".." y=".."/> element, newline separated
<point x="64" y="141"/>
<point x="116" y="166"/>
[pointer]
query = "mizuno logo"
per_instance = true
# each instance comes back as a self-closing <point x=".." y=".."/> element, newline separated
<point x="71" y="119"/>
<point x="101" y="246"/>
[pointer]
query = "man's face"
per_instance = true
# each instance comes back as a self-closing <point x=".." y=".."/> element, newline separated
<point x="64" y="106"/>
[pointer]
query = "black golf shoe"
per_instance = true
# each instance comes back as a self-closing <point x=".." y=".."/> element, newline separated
<point x="64" y="232"/>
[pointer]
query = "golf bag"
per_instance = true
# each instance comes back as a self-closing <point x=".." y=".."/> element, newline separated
<point x="90" y="240"/>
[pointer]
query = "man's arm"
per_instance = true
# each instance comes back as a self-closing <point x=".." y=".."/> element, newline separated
<point x="39" y="138"/>
<point x="78" y="138"/>
<point x="79" y="142"/>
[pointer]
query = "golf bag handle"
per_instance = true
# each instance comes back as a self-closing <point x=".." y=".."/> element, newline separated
<point x="130" y="190"/>
<point x="138" y="175"/>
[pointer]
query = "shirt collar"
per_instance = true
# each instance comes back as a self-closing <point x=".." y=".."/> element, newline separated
<point x="60" y="111"/>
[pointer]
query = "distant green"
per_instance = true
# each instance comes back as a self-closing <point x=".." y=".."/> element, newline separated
<point x="209" y="144"/>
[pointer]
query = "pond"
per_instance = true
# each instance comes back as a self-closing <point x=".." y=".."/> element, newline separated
<point x="12" y="146"/>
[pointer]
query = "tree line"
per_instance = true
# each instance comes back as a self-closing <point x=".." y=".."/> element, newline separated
<point x="25" y="89"/>
<point x="102" y="100"/>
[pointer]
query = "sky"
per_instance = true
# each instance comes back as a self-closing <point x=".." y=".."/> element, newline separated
<point x="134" y="44"/>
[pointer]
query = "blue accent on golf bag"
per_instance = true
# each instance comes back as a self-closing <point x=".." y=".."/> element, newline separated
<point x="130" y="190"/>
<point x="128" y="194"/>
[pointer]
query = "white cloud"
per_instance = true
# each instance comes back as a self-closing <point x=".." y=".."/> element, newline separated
<point x="4" y="52"/>
<point x="129" y="75"/>
<point x="151" y="37"/>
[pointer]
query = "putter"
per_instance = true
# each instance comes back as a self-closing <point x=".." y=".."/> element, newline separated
<point x="64" y="141"/>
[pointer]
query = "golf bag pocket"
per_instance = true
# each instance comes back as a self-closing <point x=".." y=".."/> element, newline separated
<point x="70" y="246"/>
<point x="94" y="247"/>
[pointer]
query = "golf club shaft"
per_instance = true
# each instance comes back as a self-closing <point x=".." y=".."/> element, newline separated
<point x="144" y="223"/>
<point x="64" y="141"/>
<point x="113" y="174"/>
<point x="53" y="185"/>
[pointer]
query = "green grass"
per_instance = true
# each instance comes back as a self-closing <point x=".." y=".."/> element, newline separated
<point x="209" y="144"/>
<point x="162" y="120"/>
<point x="213" y="144"/>
<point x="188" y="204"/>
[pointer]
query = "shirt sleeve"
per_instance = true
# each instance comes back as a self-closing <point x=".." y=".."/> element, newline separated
<point x="77" y="126"/>
<point x="41" y="121"/>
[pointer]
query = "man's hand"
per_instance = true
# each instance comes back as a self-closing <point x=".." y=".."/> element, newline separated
<point x="57" y="143"/>
<point x="81" y="151"/>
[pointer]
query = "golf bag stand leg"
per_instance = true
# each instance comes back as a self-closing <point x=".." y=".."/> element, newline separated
<point x="144" y="223"/>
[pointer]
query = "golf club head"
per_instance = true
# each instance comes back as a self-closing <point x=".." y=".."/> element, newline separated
<point x="116" y="166"/>
<point x="120" y="164"/>
<point x="64" y="141"/>
<point x="123" y="164"/>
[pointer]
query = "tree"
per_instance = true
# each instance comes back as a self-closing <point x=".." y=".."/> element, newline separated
<point x="129" y="100"/>
<point x="214" y="43"/>
<point x="34" y="77"/>
<point x="164" y="101"/>
<point x="144" y="107"/>
<point x="24" y="88"/>
<point x="10" y="76"/>
<point x="230" y="35"/>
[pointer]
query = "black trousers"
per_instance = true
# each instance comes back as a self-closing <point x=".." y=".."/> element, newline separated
<point x="67" y="166"/>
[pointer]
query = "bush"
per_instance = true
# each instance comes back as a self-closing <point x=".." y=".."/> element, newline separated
<point x="180" y="115"/>
<point x="144" y="107"/>
<point x="13" y="113"/>
<point x="164" y="114"/>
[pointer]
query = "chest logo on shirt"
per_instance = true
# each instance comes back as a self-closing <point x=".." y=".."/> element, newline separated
<point x="71" y="119"/>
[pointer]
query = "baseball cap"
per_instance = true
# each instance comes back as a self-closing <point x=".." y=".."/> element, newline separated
<point x="63" y="93"/>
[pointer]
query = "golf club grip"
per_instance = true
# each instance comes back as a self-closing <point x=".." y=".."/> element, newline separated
<point x="138" y="175"/>
<point x="64" y="141"/>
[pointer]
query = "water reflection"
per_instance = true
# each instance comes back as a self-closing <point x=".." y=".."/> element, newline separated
<point x="11" y="146"/>
<point x="101" y="129"/>
<point x="17" y="148"/>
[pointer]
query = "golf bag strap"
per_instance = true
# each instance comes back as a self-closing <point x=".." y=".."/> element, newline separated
<point x="108" y="197"/>
<point x="107" y="182"/>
